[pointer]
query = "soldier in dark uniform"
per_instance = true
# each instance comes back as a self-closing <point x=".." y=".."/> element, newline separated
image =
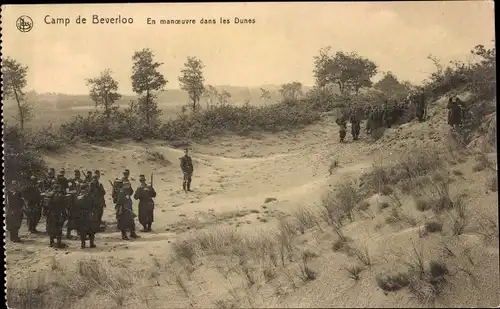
<point x="341" y="121"/>
<point x="14" y="211"/>
<point x="145" y="195"/>
<point x="124" y="212"/>
<point x="33" y="199"/>
<point x="71" y="211"/>
<point x="187" y="170"/>
<point x="421" y="106"/>
<point x="355" y="124"/>
<point x="56" y="215"/>
<point x="97" y="194"/>
<point x="87" y="220"/>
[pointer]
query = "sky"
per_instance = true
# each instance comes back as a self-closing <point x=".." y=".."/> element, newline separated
<point x="278" y="48"/>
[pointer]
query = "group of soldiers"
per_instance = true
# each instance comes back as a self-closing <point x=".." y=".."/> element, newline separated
<point x="386" y="115"/>
<point x="80" y="202"/>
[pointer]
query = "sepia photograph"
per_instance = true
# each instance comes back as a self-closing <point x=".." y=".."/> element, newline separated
<point x="250" y="155"/>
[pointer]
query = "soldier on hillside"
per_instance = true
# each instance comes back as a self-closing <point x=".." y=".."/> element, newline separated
<point x="187" y="170"/>
<point x="421" y="105"/>
<point x="87" y="222"/>
<point x="14" y="211"/>
<point x="145" y="195"/>
<point x="56" y="215"/>
<point x="124" y="211"/>
<point x="33" y="199"/>
<point x="355" y="123"/>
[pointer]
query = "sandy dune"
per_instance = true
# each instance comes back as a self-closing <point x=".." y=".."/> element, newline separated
<point x="233" y="178"/>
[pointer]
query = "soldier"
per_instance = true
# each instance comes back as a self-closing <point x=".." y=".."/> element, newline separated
<point x="124" y="212"/>
<point x="145" y="195"/>
<point x="14" y="211"/>
<point x="71" y="211"/>
<point x="343" y="127"/>
<point x="62" y="180"/>
<point x="87" y="220"/>
<point x="187" y="170"/>
<point x="355" y="124"/>
<point x="421" y="105"/>
<point x="88" y="177"/>
<point x="33" y="199"/>
<point x="97" y="194"/>
<point x="56" y="215"/>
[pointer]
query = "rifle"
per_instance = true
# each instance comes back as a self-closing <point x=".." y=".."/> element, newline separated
<point x="151" y="180"/>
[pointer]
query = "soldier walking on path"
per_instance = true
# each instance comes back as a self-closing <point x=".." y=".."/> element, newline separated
<point x="187" y="170"/>
<point x="14" y="211"/>
<point x="145" y="195"/>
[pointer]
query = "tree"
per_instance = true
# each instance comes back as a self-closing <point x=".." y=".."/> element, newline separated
<point x="223" y="97"/>
<point x="291" y="91"/>
<point x="211" y="94"/>
<point x="192" y="80"/>
<point x="265" y="95"/>
<point x="14" y="82"/>
<point x="103" y="91"/>
<point x="391" y="86"/>
<point x="145" y="80"/>
<point x="349" y="71"/>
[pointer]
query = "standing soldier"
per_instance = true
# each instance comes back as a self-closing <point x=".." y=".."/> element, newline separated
<point x="421" y="105"/>
<point x="355" y="124"/>
<point x="145" y="195"/>
<point x="14" y="211"/>
<point x="341" y="121"/>
<point x="56" y="215"/>
<point x="97" y="194"/>
<point x="124" y="212"/>
<point x="187" y="170"/>
<point x="87" y="222"/>
<point x="32" y="197"/>
<point x="71" y="211"/>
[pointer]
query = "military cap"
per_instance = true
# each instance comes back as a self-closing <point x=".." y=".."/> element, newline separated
<point x="97" y="172"/>
<point x="77" y="171"/>
<point x="142" y="178"/>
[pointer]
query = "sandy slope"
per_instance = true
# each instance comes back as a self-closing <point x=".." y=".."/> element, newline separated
<point x="233" y="177"/>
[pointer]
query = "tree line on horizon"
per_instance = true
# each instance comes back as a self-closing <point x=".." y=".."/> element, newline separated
<point x="349" y="71"/>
